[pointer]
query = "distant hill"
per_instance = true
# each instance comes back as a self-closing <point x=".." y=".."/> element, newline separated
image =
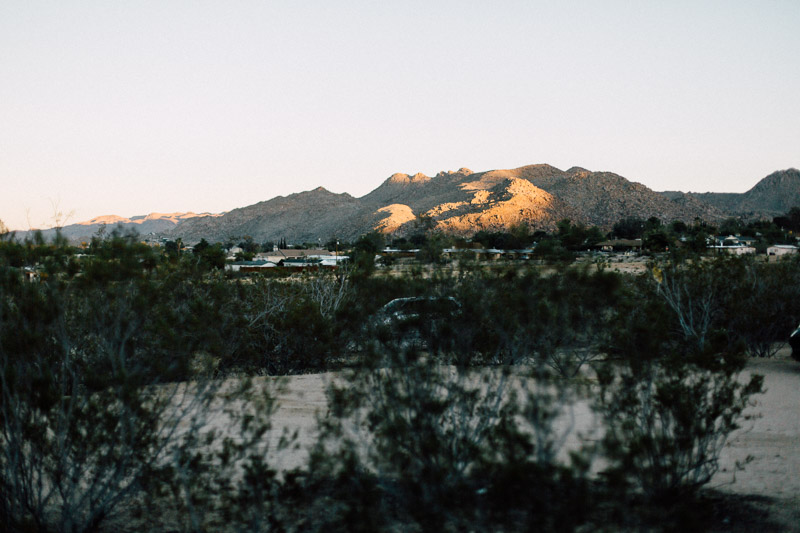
<point x="154" y="223"/>
<point x="772" y="196"/>
<point x="300" y="217"/>
<point x="461" y="202"/>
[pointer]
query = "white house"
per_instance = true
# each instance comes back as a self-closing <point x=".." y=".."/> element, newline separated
<point x="781" y="249"/>
<point x="734" y="250"/>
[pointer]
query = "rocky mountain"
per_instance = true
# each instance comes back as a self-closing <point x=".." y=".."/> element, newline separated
<point x="461" y="202"/>
<point x="772" y="196"/>
<point x="152" y="224"/>
<point x="299" y="217"/>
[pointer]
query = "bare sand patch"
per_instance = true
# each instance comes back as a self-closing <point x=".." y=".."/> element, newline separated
<point x="760" y="462"/>
<point x="767" y="448"/>
<point x="769" y="445"/>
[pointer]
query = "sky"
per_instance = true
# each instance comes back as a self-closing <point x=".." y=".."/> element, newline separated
<point x="127" y="108"/>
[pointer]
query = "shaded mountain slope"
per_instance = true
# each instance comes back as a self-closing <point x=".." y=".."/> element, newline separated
<point x="299" y="217"/>
<point x="772" y="196"/>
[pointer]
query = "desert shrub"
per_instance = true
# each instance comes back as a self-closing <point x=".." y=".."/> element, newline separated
<point x="671" y="394"/>
<point x="763" y="305"/>
<point x="440" y="446"/>
<point x="517" y="316"/>
<point x="285" y="330"/>
<point x="85" y="420"/>
<point x="219" y="473"/>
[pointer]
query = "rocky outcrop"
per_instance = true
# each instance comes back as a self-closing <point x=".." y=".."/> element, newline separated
<point x="510" y="202"/>
<point x="397" y="215"/>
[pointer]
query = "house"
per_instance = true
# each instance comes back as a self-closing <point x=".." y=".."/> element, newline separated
<point x="278" y="255"/>
<point x="620" y="245"/>
<point x="233" y="251"/>
<point x="301" y="262"/>
<point x="31" y="274"/>
<point x="781" y="249"/>
<point x="737" y="249"/>
<point x="396" y="252"/>
<point x="489" y="253"/>
<point x="250" y="266"/>
<point x="734" y="240"/>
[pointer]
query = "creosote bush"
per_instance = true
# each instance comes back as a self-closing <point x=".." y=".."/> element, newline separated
<point x="671" y="396"/>
<point x="132" y="380"/>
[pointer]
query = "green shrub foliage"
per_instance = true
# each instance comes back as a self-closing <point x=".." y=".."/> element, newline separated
<point x="133" y="378"/>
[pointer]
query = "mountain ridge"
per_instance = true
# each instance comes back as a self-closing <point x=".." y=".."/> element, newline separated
<point x="461" y="202"/>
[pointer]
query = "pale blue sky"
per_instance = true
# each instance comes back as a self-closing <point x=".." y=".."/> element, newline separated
<point x="131" y="107"/>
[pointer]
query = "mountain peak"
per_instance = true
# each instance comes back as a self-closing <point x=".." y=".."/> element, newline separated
<point x="779" y="177"/>
<point x="463" y="171"/>
<point x="404" y="179"/>
<point x="104" y="219"/>
<point x="577" y="170"/>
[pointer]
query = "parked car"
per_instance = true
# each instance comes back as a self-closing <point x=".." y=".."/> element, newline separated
<point x="413" y="322"/>
<point x="794" y="342"/>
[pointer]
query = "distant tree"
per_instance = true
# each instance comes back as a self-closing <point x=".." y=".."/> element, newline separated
<point x="364" y="251"/>
<point x="594" y="235"/>
<point x="425" y="222"/>
<point x="248" y="245"/>
<point x="172" y="248"/>
<point x="212" y="257"/>
<point x="569" y="235"/>
<point x="578" y="236"/>
<point x="522" y="233"/>
<point x="550" y="249"/>
<point x="790" y="221"/>
<point x="418" y="239"/>
<point x="401" y="243"/>
<point x="731" y="226"/>
<point x="431" y="251"/>
<point x="652" y="223"/>
<point x="200" y="247"/>
<point x="371" y="242"/>
<point x="678" y="227"/>
<point x="657" y="239"/>
<point x="629" y="228"/>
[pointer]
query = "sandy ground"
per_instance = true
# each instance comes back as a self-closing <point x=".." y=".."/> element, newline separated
<point x="772" y="440"/>
<point x="760" y="462"/>
<point x="767" y="447"/>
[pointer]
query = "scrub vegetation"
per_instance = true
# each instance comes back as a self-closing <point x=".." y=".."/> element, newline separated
<point x="115" y="358"/>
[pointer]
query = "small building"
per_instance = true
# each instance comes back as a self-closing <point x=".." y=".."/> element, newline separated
<point x="31" y="274"/>
<point x="737" y="249"/>
<point x="781" y="249"/>
<point x="397" y="252"/>
<point x="250" y="266"/>
<point x="620" y="245"/>
<point x="279" y="255"/>
<point x="734" y="240"/>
